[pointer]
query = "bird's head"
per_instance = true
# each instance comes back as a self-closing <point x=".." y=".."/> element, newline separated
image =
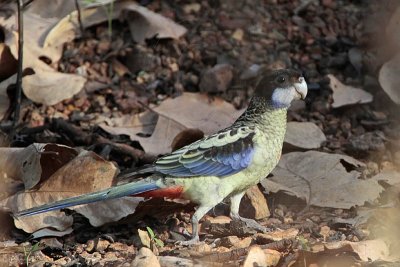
<point x="281" y="87"/>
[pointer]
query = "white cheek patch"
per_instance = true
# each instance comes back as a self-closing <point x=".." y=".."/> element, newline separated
<point x="282" y="97"/>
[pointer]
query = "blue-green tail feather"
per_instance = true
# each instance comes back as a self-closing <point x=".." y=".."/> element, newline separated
<point x="110" y="193"/>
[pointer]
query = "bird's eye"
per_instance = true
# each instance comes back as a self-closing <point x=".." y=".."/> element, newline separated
<point x="281" y="79"/>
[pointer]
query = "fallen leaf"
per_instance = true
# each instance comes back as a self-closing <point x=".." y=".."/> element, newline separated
<point x="344" y="95"/>
<point x="392" y="27"/>
<point x="50" y="232"/>
<point x="145" y="24"/>
<point x="389" y="78"/>
<point x="188" y="111"/>
<point x="40" y="86"/>
<point x="33" y="163"/>
<point x="306" y="135"/>
<point x="85" y="173"/>
<point x="322" y="180"/>
<point x="390" y="177"/>
<point x="368" y="250"/>
<point x="35" y="31"/>
<point x="8" y="64"/>
<point x="4" y="100"/>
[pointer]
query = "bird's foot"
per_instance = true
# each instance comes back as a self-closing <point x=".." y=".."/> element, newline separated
<point x="195" y="240"/>
<point x="252" y="224"/>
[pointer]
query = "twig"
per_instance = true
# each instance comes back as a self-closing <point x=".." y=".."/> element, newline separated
<point x="78" y="9"/>
<point x="20" y="65"/>
<point x="27" y="3"/>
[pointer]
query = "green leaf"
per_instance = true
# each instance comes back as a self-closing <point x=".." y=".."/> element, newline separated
<point x="159" y="242"/>
<point x="151" y="233"/>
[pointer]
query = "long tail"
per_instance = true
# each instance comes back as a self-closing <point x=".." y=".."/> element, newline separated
<point x="128" y="189"/>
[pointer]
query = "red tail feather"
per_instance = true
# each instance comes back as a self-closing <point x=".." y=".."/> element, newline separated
<point x="170" y="192"/>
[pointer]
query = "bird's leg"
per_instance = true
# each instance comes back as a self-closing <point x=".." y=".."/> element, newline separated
<point x="200" y="212"/>
<point x="235" y="203"/>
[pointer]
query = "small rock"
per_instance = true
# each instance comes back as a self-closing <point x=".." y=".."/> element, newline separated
<point x="219" y="220"/>
<point x="256" y="257"/>
<point x="229" y="241"/>
<point x="145" y="258"/>
<point x="102" y="245"/>
<point x="315" y="218"/>
<point x="191" y="8"/>
<point x="117" y="246"/>
<point x="254" y="205"/>
<point x="324" y="231"/>
<point x="287" y="220"/>
<point x="216" y="79"/>
<point x="387" y="166"/>
<point x="273" y="257"/>
<point x="103" y="46"/>
<point x="265" y="238"/>
<point x="90" y="246"/>
<point x="238" y="34"/>
<point x="144" y="238"/>
<point x="110" y="256"/>
<point x="234" y="241"/>
<point x="372" y="167"/>
<point x="370" y="141"/>
<point x="171" y="261"/>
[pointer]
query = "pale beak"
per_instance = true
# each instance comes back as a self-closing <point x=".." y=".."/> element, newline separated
<point x="301" y="88"/>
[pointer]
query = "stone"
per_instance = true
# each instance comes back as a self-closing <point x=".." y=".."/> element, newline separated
<point x="255" y="257"/>
<point x="217" y="79"/>
<point x="254" y="205"/>
<point x="145" y="258"/>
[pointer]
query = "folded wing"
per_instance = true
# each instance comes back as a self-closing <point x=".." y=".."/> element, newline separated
<point x="224" y="153"/>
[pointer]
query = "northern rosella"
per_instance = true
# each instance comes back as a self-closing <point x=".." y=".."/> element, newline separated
<point x="220" y="165"/>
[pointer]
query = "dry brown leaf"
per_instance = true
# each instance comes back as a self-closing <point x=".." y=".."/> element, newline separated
<point x="8" y="64"/>
<point x="188" y="111"/>
<point x="59" y="86"/>
<point x="344" y="95"/>
<point x="85" y="173"/>
<point x="4" y="101"/>
<point x="392" y="28"/>
<point x="390" y="177"/>
<point x="306" y="135"/>
<point x="368" y="250"/>
<point x="49" y="87"/>
<point x="144" y="24"/>
<point x="389" y="78"/>
<point x="322" y="180"/>
<point x="33" y="163"/>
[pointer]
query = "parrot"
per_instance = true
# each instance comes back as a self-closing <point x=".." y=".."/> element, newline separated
<point x="218" y="166"/>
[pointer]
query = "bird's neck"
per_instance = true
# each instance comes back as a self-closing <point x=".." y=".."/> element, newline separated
<point x="263" y="112"/>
